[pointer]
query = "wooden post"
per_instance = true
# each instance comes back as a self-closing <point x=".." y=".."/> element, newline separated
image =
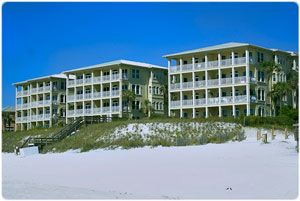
<point x="286" y="136"/>
<point x="296" y="136"/>
<point x="265" y="137"/>
<point x="258" y="134"/>
<point x="273" y="133"/>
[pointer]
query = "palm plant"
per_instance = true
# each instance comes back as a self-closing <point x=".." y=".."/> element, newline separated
<point x="7" y="119"/>
<point x="279" y="90"/>
<point x="292" y="81"/>
<point x="164" y="90"/>
<point x="129" y="96"/>
<point x="269" y="67"/>
<point x="147" y="108"/>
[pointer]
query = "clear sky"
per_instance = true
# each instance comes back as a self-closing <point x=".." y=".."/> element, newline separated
<point x="47" y="38"/>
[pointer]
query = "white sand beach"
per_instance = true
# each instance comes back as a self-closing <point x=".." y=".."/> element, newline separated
<point x="247" y="169"/>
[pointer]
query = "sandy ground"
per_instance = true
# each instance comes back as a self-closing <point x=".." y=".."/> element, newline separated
<point x="251" y="169"/>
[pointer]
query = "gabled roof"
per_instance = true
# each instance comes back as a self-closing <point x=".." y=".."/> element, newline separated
<point x="62" y="76"/>
<point x="8" y="109"/>
<point x="117" y="62"/>
<point x="222" y="46"/>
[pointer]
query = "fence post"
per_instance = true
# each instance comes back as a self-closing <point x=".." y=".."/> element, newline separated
<point x="258" y="134"/>
<point x="273" y="133"/>
<point x="265" y="137"/>
<point x="286" y="136"/>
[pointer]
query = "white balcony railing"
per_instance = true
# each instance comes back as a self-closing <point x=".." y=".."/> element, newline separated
<point x="175" y="86"/>
<point x="88" y="111"/>
<point x="187" y="85"/>
<point x="115" y="92"/>
<point x="70" y="98"/>
<point x="40" y="103"/>
<point x="79" y="81"/>
<point x="88" y="80"/>
<point x="34" y="104"/>
<point x="188" y="102"/>
<point x="79" y="112"/>
<point x="187" y="67"/>
<point x="213" y="82"/>
<point x="47" y="102"/>
<point x="226" y="62"/>
<point x="105" y="93"/>
<point x="213" y="101"/>
<point x="105" y="109"/>
<point x="212" y="64"/>
<point x="240" y="99"/>
<point x="25" y="118"/>
<point x="47" y="88"/>
<point x="19" y="93"/>
<point x="40" y="89"/>
<point x="115" y="108"/>
<point x="175" y="103"/>
<point x="79" y="96"/>
<point x="87" y="95"/>
<point x="19" y="106"/>
<point x="226" y="99"/>
<point x="71" y="83"/>
<point x="34" y="90"/>
<point x="174" y="69"/>
<point x="33" y="117"/>
<point x="200" y="83"/>
<point x="105" y="78"/>
<point x="39" y="117"/>
<point x="47" y="116"/>
<point x="115" y="76"/>
<point x="225" y="81"/>
<point x="97" y="79"/>
<point x="97" y="94"/>
<point x="25" y="106"/>
<point x="71" y="112"/>
<point x="240" y="80"/>
<point x="240" y="61"/>
<point x="201" y="101"/>
<point x="97" y="110"/>
<point x="25" y="93"/>
<point x="199" y="66"/>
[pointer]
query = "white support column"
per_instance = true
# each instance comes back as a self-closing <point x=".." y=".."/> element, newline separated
<point x="169" y="84"/>
<point x="220" y="111"/>
<point x="16" y="111"/>
<point x="233" y="110"/>
<point x="232" y="58"/>
<point x="120" y="97"/>
<point x="206" y="61"/>
<point x="193" y="62"/>
<point x="219" y="60"/>
<point x="233" y="75"/>
<point x="219" y="76"/>
<point x="220" y="94"/>
<point x="180" y="64"/>
<point x="181" y="112"/>
<point x="51" y="112"/>
<point x="206" y="112"/>
<point x="248" y="82"/>
<point x="110" y="74"/>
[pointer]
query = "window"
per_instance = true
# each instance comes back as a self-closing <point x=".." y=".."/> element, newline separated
<point x="79" y="91"/>
<point x="106" y="104"/>
<point x="106" y="88"/>
<point x="150" y="90"/>
<point x="135" y="105"/>
<point x="124" y="73"/>
<point x="236" y="74"/>
<point x="125" y="87"/>
<point x="88" y="76"/>
<point x="79" y="77"/>
<point x="87" y="106"/>
<point x="260" y="57"/>
<point x="274" y="77"/>
<point x="135" y="73"/>
<point x="106" y="73"/>
<point x="185" y="62"/>
<point x="157" y="106"/>
<point x="87" y="90"/>
<point x="185" y="79"/>
<point x="196" y="60"/>
<point x="136" y="89"/>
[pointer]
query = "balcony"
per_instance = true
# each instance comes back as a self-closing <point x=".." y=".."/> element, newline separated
<point x="105" y="93"/>
<point x="79" y="81"/>
<point x="19" y="106"/>
<point x="33" y="104"/>
<point x="105" y="78"/>
<point x="88" y="96"/>
<point x="71" y="83"/>
<point x="47" y="116"/>
<point x="25" y="106"/>
<point x="88" y="80"/>
<point x="188" y="102"/>
<point x="40" y="89"/>
<point x="201" y="101"/>
<point x="115" y="92"/>
<point x="47" y="102"/>
<point x="19" y="119"/>
<point x="105" y="109"/>
<point x="97" y="110"/>
<point x="88" y="111"/>
<point x="240" y="99"/>
<point x="34" y="90"/>
<point x="187" y="85"/>
<point x="97" y="94"/>
<point x="226" y="81"/>
<point x="175" y="86"/>
<point x="19" y="93"/>
<point x="71" y="112"/>
<point x="79" y="97"/>
<point x="240" y="80"/>
<point x="97" y="80"/>
<point x="25" y="119"/>
<point x="212" y="101"/>
<point x="40" y="103"/>
<point x="213" y="82"/>
<point x="70" y="98"/>
<point x="115" y="108"/>
<point x="79" y="112"/>
<point x="200" y="83"/>
<point x="115" y="76"/>
<point x="210" y="65"/>
<point x="226" y="99"/>
<point x="47" y="88"/>
<point x="175" y="104"/>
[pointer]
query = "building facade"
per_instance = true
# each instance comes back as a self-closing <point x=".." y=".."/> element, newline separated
<point x="40" y="102"/>
<point x="225" y="80"/>
<point x="102" y="90"/>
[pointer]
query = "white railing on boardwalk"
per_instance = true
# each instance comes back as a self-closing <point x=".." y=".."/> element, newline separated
<point x="187" y="67"/>
<point x="88" y="95"/>
<point x="212" y="64"/>
<point x="115" y="108"/>
<point x="97" y="110"/>
<point x="200" y="83"/>
<point x="199" y="66"/>
<point x="105" y="78"/>
<point x="106" y="109"/>
<point x="47" y="88"/>
<point x="188" y="102"/>
<point x="115" y="92"/>
<point x="226" y="62"/>
<point x="240" y="80"/>
<point x="105" y="93"/>
<point x="212" y="101"/>
<point x="175" y="86"/>
<point x="47" y="116"/>
<point x="226" y="99"/>
<point x="88" y="80"/>
<point x="187" y="85"/>
<point x="175" y="103"/>
<point x="97" y="79"/>
<point x="226" y="80"/>
<point x="79" y="96"/>
<point x="201" y="101"/>
<point x="213" y="82"/>
<point x="71" y="97"/>
<point x="88" y="111"/>
<point x="97" y="94"/>
<point x="240" y="61"/>
<point x="174" y="69"/>
<point x="240" y="99"/>
<point x="115" y="76"/>
<point x="79" y="81"/>
<point x="71" y="83"/>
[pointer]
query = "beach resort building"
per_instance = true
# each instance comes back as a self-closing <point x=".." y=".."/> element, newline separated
<point x="119" y="88"/>
<point x="226" y="80"/>
<point x="40" y="102"/>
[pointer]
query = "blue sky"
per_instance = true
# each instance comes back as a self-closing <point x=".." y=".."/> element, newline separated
<point x="47" y="38"/>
